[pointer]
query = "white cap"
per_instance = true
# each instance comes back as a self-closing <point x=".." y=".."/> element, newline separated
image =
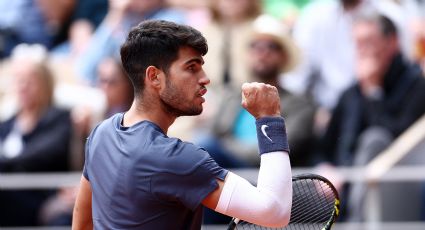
<point x="270" y="26"/>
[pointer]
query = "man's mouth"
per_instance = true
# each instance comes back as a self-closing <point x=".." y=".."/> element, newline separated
<point x="202" y="92"/>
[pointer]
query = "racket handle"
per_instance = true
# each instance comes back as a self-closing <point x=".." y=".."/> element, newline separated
<point x="233" y="224"/>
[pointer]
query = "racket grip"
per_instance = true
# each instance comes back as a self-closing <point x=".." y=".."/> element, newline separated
<point x="233" y="224"/>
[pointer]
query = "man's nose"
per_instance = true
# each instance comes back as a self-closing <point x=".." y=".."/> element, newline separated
<point x="204" y="80"/>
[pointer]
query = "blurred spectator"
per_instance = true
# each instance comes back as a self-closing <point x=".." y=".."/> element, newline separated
<point x="117" y="87"/>
<point x="63" y="57"/>
<point x="121" y="16"/>
<point x="118" y="91"/>
<point x="228" y="38"/>
<point x="32" y="21"/>
<point x="386" y="99"/>
<point x="233" y="141"/>
<point x="323" y="33"/>
<point x="36" y="139"/>
<point x="79" y="36"/>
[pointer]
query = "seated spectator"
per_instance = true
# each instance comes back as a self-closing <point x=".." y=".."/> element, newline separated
<point x="387" y="98"/>
<point x="232" y="144"/>
<point x="118" y="91"/>
<point x="322" y="31"/>
<point x="35" y="139"/>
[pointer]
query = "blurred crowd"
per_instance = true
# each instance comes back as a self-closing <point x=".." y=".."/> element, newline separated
<point x="350" y="74"/>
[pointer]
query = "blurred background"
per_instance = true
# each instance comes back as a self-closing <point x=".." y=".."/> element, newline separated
<point x="350" y="74"/>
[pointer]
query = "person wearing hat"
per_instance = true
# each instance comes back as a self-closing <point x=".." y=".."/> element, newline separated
<point x="232" y="140"/>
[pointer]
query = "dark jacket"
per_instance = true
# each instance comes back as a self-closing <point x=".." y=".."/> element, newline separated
<point x="46" y="149"/>
<point x="401" y="104"/>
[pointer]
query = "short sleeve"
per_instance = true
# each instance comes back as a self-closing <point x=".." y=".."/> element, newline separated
<point x="191" y="188"/>
<point x="86" y="153"/>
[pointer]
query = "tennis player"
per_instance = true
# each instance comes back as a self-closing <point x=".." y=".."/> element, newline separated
<point x="136" y="177"/>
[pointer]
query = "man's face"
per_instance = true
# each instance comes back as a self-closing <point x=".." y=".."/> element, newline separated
<point x="113" y="82"/>
<point x="29" y="85"/>
<point x="374" y="51"/>
<point x="266" y="58"/>
<point x="184" y="87"/>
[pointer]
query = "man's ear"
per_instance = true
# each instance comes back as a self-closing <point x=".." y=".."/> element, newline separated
<point x="152" y="77"/>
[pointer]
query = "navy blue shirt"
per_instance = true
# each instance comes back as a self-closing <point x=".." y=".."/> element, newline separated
<point x="143" y="179"/>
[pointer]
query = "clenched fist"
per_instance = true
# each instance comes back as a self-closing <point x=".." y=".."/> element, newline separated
<point x="261" y="100"/>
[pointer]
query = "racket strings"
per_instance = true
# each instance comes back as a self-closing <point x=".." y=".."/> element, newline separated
<point x="313" y="203"/>
<point x="311" y="196"/>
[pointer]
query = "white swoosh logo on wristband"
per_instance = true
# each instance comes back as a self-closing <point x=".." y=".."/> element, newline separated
<point x="263" y="130"/>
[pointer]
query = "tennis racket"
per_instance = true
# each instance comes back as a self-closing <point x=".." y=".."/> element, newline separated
<point x="315" y="205"/>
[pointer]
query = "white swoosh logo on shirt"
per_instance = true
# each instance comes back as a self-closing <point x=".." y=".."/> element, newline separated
<point x="263" y="130"/>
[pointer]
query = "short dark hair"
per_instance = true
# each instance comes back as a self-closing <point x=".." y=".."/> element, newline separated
<point x="386" y="26"/>
<point x="157" y="43"/>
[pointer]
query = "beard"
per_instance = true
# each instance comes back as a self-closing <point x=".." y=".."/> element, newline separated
<point x="173" y="100"/>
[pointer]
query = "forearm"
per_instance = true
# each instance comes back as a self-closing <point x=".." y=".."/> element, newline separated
<point x="268" y="204"/>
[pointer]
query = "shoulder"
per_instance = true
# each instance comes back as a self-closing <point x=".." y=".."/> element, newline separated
<point x="105" y="126"/>
<point x="176" y="156"/>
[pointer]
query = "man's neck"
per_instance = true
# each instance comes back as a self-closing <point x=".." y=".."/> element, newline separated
<point x="141" y="112"/>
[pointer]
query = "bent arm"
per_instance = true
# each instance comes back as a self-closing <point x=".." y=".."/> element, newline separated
<point x="82" y="215"/>
<point x="268" y="204"/>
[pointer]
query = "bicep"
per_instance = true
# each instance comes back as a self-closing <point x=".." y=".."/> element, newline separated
<point x="211" y="200"/>
<point x="82" y="216"/>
